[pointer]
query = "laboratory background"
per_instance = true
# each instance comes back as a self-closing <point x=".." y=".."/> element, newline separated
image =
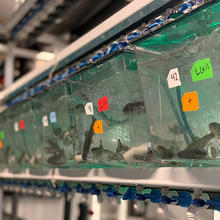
<point x="109" y="110"/>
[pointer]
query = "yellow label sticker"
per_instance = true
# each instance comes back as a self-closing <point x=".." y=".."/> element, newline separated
<point x="98" y="128"/>
<point x="190" y="101"/>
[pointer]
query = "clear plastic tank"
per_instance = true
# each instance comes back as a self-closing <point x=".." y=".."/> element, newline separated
<point x="121" y="134"/>
<point x="180" y="74"/>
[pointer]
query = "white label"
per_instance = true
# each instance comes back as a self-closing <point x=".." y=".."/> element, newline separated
<point x="16" y="127"/>
<point x="45" y="121"/>
<point x="173" y="78"/>
<point x="89" y="108"/>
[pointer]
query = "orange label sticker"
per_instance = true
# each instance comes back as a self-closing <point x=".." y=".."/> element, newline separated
<point x="190" y="101"/>
<point x="97" y="127"/>
<point x="1" y="144"/>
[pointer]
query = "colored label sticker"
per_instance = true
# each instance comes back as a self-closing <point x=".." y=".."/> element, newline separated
<point x="89" y="108"/>
<point x="190" y="101"/>
<point x="22" y="124"/>
<point x="103" y="104"/>
<point x="97" y="127"/>
<point x="2" y="135"/>
<point x="53" y="118"/>
<point x="16" y="127"/>
<point x="45" y="121"/>
<point x="202" y="69"/>
<point x="173" y="78"/>
<point x="1" y="144"/>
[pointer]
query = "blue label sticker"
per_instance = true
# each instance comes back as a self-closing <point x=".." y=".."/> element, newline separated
<point x="53" y="118"/>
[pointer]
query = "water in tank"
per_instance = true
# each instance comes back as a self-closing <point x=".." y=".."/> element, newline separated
<point x="109" y="122"/>
<point x="180" y="75"/>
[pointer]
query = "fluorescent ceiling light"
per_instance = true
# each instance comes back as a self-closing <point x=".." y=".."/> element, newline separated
<point x="46" y="56"/>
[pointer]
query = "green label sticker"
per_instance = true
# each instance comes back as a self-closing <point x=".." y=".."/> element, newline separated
<point x="2" y="135"/>
<point x="202" y="69"/>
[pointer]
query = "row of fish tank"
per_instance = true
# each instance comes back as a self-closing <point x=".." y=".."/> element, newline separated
<point x="154" y="104"/>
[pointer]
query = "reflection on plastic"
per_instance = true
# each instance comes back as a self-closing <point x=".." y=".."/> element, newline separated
<point x="190" y="101"/>
<point x="98" y="128"/>
<point x="103" y="104"/>
<point x="173" y="78"/>
<point x="202" y="69"/>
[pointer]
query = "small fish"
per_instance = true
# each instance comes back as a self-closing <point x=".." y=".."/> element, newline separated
<point x="103" y="154"/>
<point x="197" y="148"/>
<point x="108" y="155"/>
<point x="57" y="132"/>
<point x="164" y="153"/>
<point x="53" y="148"/>
<point x="214" y="127"/>
<point x="192" y="154"/>
<point x="144" y="157"/>
<point x="55" y="159"/>
<point x="50" y="150"/>
<point x="88" y="140"/>
<point x="134" y="108"/>
<point x="97" y="151"/>
<point x="80" y="108"/>
<point x="121" y="147"/>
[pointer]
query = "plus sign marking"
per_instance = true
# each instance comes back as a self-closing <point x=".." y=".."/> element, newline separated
<point x="190" y="101"/>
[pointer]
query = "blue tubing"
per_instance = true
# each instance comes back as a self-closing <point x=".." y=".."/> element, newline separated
<point x="176" y="113"/>
<point x="183" y="115"/>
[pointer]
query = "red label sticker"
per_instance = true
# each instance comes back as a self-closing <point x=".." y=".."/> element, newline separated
<point x="22" y="125"/>
<point x="103" y="104"/>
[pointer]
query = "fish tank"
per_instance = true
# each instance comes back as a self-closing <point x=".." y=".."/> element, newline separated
<point x="22" y="130"/>
<point x="53" y="118"/>
<point x="7" y="158"/>
<point x="109" y="120"/>
<point x="180" y="76"/>
<point x="93" y="118"/>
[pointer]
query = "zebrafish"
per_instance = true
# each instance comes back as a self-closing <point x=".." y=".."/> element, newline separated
<point x="134" y="108"/>
<point x="97" y="151"/>
<point x="197" y="148"/>
<point x="121" y="148"/>
<point x="56" y="158"/>
<point x="214" y="127"/>
<point x="164" y="152"/>
<point x="100" y="153"/>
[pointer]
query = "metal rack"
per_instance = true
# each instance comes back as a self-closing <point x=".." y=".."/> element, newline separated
<point x="175" y="178"/>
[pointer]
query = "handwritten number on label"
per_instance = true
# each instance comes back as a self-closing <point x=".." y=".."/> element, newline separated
<point x="173" y="78"/>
